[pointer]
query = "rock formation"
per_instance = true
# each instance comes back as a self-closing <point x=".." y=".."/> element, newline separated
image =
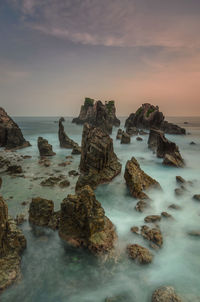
<point x="65" y="141"/>
<point x="44" y="147"/>
<point x="12" y="243"/>
<point x="119" y="134"/>
<point x="98" y="114"/>
<point x="165" y="148"/>
<point x="99" y="163"/>
<point x="165" y="294"/>
<point x="137" y="180"/>
<point x="83" y="223"/>
<point x="11" y="136"/>
<point x="125" y="139"/>
<point x="149" y="116"/>
<point x="154" y="235"/>
<point x="139" y="253"/>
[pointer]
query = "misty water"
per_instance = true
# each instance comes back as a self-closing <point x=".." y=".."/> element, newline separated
<point x="54" y="272"/>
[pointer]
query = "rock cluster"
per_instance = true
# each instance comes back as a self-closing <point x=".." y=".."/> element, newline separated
<point x="44" y="147"/>
<point x="139" y="253"/>
<point x="83" y="222"/>
<point x="148" y="116"/>
<point x="137" y="180"/>
<point x="11" y="136"/>
<point x="12" y="243"/>
<point x="65" y="141"/>
<point x="164" y="148"/>
<point x="99" y="163"/>
<point x="98" y="114"/>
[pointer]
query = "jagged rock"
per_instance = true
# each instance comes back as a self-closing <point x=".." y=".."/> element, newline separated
<point x="65" y="141"/>
<point x="119" y="134"/>
<point x="192" y="143"/>
<point x="196" y="197"/>
<point x="11" y="136"/>
<point x="152" y="218"/>
<point x="139" y="253"/>
<point x="165" y="148"/>
<point x="14" y="169"/>
<point x="44" y="147"/>
<point x="125" y="139"/>
<point x="76" y="150"/>
<point x="174" y="207"/>
<point x="83" y="223"/>
<point x="98" y="115"/>
<point x="152" y="234"/>
<point x="41" y="213"/>
<point x="12" y="244"/>
<point x="180" y="180"/>
<point x="99" y="163"/>
<point x="137" y="180"/>
<point x="141" y="206"/>
<point x="139" y="138"/>
<point x="148" y="116"/>
<point x="165" y="294"/>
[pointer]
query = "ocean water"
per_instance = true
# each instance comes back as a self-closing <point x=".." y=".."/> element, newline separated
<point x="55" y="272"/>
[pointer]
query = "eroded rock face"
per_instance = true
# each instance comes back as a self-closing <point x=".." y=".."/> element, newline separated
<point x="83" y="223"/>
<point x="44" y="147"/>
<point x="65" y="141"/>
<point x="165" y="148"/>
<point x="99" y="163"/>
<point x="139" y="253"/>
<point x="149" y="116"/>
<point x="12" y="243"/>
<point x="98" y="114"/>
<point x="165" y="294"/>
<point x="137" y="180"/>
<point x="11" y="136"/>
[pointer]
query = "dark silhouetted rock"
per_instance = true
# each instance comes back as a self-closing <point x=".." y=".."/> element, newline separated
<point x="194" y="233"/>
<point x="192" y="143"/>
<point x="139" y="253"/>
<point x="65" y="141"/>
<point x="83" y="223"/>
<point x="119" y="134"/>
<point x="137" y="180"/>
<point x="44" y="147"/>
<point x="125" y="139"/>
<point x="180" y="180"/>
<point x="165" y="294"/>
<point x="139" y="138"/>
<point x="170" y="128"/>
<point x="99" y="163"/>
<point x="196" y="197"/>
<point x="11" y="136"/>
<point x="166" y="215"/>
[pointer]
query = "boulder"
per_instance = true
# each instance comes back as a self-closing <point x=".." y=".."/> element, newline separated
<point x="165" y="294"/>
<point x="152" y="218"/>
<point x="152" y="234"/>
<point x="98" y="163"/>
<point x="12" y="244"/>
<point x="44" y="147"/>
<point x="125" y="139"/>
<point x="180" y="180"/>
<point x="139" y="253"/>
<point x="83" y="223"/>
<point x="137" y="180"/>
<point x="139" y="138"/>
<point x="65" y="141"/>
<point x="119" y="134"/>
<point x="11" y="136"/>
<point x="141" y="206"/>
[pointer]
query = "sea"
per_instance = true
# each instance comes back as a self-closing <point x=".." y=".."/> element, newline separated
<point x="55" y="272"/>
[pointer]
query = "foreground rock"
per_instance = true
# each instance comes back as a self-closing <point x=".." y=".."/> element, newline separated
<point x="44" y="147"/>
<point x="98" y="114"/>
<point x="11" y="136"/>
<point x="148" y="116"/>
<point x="165" y="148"/>
<point x="65" y="141"/>
<point x="12" y="243"/>
<point x="139" y="253"/>
<point x="137" y="180"/>
<point x="99" y="163"/>
<point x="41" y="213"/>
<point x="84" y="224"/>
<point x="165" y="294"/>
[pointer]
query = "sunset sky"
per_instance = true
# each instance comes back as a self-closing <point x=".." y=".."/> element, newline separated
<point x="53" y="53"/>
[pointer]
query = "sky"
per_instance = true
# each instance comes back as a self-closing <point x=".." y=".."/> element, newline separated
<point x="54" y="53"/>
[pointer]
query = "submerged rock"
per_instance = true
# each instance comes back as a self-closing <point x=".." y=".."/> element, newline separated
<point x="12" y="244"/>
<point x="11" y="136"/>
<point x="165" y="294"/>
<point x="65" y="141"/>
<point x="194" y="233"/>
<point x="99" y="163"/>
<point x="55" y="180"/>
<point x="137" y="180"/>
<point x="44" y="147"/>
<point x="83" y="223"/>
<point x="141" y="206"/>
<point x="139" y="253"/>
<point x="174" y="207"/>
<point x="180" y="180"/>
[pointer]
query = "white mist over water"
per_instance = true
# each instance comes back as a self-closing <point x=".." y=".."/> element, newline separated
<point x="53" y="271"/>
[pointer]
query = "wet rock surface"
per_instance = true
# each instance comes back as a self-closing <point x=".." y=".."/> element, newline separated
<point x="139" y="253"/>
<point x="45" y="149"/>
<point x="165" y="294"/>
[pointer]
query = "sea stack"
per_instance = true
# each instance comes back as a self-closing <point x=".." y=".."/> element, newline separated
<point x="98" y="114"/>
<point x="44" y="147"/>
<point x="98" y="164"/>
<point x="65" y="141"/>
<point x="11" y="136"/>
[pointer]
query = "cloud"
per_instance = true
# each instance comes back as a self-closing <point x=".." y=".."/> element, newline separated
<point x="114" y="22"/>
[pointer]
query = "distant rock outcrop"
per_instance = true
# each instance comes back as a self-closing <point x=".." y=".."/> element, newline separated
<point x="65" y="141"/>
<point x="98" y="114"/>
<point x="165" y="148"/>
<point x="149" y="116"/>
<point x="11" y="136"/>
<point x="84" y="224"/>
<point x="44" y="147"/>
<point x="12" y="243"/>
<point x="137" y="180"/>
<point x="99" y="163"/>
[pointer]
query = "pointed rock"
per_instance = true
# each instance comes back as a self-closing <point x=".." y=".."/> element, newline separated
<point x="44" y="147"/>
<point x="65" y="141"/>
